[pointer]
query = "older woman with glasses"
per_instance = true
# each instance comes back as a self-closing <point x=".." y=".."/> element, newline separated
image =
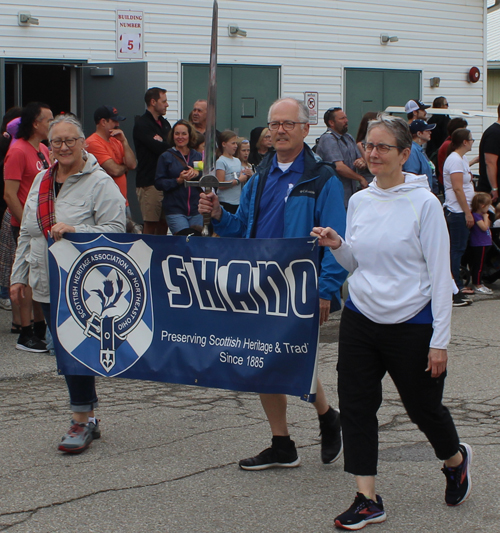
<point x="396" y="319"/>
<point x="73" y="195"/>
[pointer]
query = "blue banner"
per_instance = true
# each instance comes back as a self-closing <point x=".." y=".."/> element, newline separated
<point x="237" y="314"/>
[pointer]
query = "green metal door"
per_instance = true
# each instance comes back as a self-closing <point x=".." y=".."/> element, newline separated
<point x="364" y="92"/>
<point x="375" y="89"/>
<point x="254" y="89"/>
<point x="195" y="85"/>
<point x="244" y="94"/>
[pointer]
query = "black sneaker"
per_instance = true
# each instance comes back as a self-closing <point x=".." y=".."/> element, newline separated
<point x="31" y="343"/>
<point x="460" y="301"/>
<point x="331" y="437"/>
<point x="458" y="481"/>
<point x="272" y="458"/>
<point x="361" y="513"/>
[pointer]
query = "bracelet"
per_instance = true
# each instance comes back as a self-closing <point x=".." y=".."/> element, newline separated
<point x="495" y="189"/>
<point x="237" y="179"/>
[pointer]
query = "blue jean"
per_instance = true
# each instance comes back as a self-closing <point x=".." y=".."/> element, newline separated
<point x="82" y="393"/>
<point x="459" y="235"/>
<point x="179" y="222"/>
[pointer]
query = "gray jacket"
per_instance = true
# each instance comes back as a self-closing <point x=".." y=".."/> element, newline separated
<point x="90" y="201"/>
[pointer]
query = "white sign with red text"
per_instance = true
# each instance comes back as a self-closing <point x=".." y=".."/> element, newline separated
<point x="311" y="101"/>
<point x="129" y="34"/>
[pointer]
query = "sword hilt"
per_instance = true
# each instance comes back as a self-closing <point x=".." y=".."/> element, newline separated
<point x="208" y="182"/>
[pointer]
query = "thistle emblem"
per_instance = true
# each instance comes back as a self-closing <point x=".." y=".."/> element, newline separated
<point x="110" y="295"/>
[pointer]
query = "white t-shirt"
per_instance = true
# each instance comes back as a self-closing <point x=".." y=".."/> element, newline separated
<point x="454" y="164"/>
<point x="229" y="166"/>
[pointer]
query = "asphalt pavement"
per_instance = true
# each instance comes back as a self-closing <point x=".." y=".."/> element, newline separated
<point x="167" y="459"/>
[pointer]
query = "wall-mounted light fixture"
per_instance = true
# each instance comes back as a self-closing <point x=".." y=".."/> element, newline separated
<point x="25" y="19"/>
<point x="385" y="38"/>
<point x="435" y="82"/>
<point x="234" y="30"/>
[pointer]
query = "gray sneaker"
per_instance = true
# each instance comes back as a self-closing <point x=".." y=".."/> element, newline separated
<point x="78" y="438"/>
<point x="95" y="430"/>
<point x="5" y="304"/>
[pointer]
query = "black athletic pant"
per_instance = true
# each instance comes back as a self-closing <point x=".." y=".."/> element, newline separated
<point x="366" y="352"/>
<point x="477" y="258"/>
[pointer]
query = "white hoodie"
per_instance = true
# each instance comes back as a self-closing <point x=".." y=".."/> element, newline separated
<point x="397" y="248"/>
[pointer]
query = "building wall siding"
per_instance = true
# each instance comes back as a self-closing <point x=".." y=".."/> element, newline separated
<point x="312" y="41"/>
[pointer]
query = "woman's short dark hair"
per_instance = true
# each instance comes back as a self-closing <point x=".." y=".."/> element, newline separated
<point x="439" y="102"/>
<point x="457" y="139"/>
<point x="455" y="123"/>
<point x="394" y="125"/>
<point x="193" y="137"/>
<point x="363" y="125"/>
<point x="28" y="116"/>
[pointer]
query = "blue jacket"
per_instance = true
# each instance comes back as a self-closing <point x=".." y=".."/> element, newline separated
<point x="316" y="200"/>
<point x="418" y="163"/>
<point x="177" y="199"/>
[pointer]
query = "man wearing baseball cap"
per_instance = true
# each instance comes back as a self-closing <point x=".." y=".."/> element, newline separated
<point x="416" y="110"/>
<point x="110" y="146"/>
<point x="418" y="162"/>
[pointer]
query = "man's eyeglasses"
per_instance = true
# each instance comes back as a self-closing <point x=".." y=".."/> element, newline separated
<point x="288" y="125"/>
<point x="381" y="147"/>
<point x="68" y="142"/>
<point x="44" y="161"/>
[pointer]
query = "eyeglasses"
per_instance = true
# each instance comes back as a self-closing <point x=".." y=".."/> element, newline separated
<point x="44" y="161"/>
<point x="288" y="125"/>
<point x="472" y="140"/>
<point x="68" y="142"/>
<point x="381" y="147"/>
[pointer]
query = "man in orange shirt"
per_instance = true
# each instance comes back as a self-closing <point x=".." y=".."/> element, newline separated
<point x="110" y="146"/>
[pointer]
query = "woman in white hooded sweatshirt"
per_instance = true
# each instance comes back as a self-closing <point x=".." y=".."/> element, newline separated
<point x="396" y="319"/>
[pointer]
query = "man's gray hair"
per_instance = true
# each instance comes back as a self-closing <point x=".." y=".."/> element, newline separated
<point x="68" y="119"/>
<point x="303" y="109"/>
<point x="395" y="125"/>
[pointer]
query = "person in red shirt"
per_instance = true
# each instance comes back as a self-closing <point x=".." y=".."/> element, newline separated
<point x="110" y="146"/>
<point x="24" y="160"/>
<point x="453" y="125"/>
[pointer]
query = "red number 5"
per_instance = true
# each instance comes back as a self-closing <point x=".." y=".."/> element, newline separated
<point x="130" y="44"/>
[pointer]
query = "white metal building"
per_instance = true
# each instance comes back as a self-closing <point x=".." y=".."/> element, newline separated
<point x="330" y="47"/>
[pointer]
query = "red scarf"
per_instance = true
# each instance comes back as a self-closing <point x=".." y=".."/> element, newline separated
<point x="45" y="214"/>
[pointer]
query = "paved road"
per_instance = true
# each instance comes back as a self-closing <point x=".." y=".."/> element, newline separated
<point x="167" y="460"/>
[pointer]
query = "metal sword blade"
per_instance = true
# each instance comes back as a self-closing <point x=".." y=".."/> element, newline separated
<point x="210" y="135"/>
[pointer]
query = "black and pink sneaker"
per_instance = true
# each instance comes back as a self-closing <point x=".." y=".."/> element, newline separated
<point x="361" y="513"/>
<point x="458" y="480"/>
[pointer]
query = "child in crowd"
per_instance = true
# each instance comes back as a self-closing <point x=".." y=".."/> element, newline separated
<point x="228" y="168"/>
<point x="242" y="154"/>
<point x="480" y="239"/>
<point x="496" y="224"/>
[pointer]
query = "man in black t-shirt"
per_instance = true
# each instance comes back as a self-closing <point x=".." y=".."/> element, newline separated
<point x="489" y="166"/>
<point x="150" y="140"/>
